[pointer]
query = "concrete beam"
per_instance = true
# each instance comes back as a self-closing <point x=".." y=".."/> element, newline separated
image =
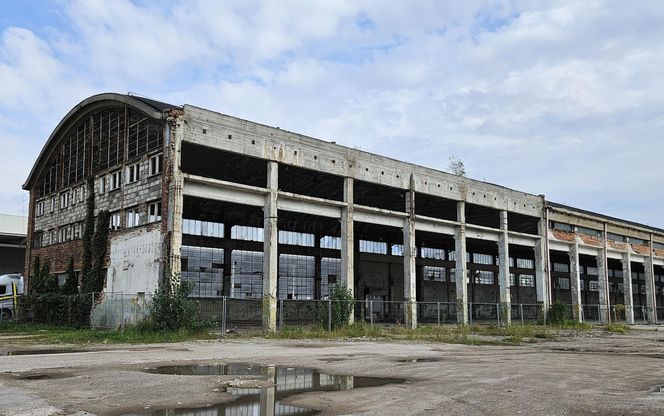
<point x="504" y="272"/>
<point x="377" y="216"/>
<point x="306" y="205"/>
<point x="575" y="282"/>
<point x="627" y="288"/>
<point x="348" y="239"/>
<point x="461" y="270"/>
<point x="409" y="256"/>
<point x="270" y="253"/>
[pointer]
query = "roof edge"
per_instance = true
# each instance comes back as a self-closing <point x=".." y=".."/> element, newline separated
<point x="148" y="106"/>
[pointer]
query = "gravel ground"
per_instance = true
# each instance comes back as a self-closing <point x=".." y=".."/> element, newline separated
<point x="577" y="375"/>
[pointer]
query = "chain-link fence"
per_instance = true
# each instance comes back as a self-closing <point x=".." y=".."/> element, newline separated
<point x="114" y="310"/>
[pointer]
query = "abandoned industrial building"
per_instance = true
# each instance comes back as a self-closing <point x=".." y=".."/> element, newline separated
<point x="252" y="212"/>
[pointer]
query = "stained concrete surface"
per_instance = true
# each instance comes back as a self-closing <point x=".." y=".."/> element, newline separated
<point x="577" y="375"/>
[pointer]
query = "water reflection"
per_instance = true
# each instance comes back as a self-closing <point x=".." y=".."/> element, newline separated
<point x="267" y="401"/>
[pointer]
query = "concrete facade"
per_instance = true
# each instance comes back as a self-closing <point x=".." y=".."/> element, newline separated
<point x="269" y="214"/>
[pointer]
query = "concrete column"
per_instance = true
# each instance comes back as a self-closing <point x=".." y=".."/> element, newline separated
<point x="175" y="205"/>
<point x="409" y="256"/>
<point x="650" y="286"/>
<point x="270" y="254"/>
<point x="602" y="287"/>
<point x="504" y="272"/>
<point x="461" y="273"/>
<point x="575" y="281"/>
<point x="228" y="263"/>
<point x="268" y="395"/>
<point x="627" y="288"/>
<point x="542" y="278"/>
<point x="348" y="240"/>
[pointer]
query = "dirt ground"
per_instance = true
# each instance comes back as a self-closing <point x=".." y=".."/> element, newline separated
<point x="596" y="373"/>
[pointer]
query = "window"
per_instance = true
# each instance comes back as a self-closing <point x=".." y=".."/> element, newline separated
<point x="61" y="235"/>
<point x="115" y="180"/>
<point x="102" y="185"/>
<point x="561" y="267"/>
<point x="53" y="237"/>
<point x="133" y="217"/>
<point x="590" y="231"/>
<point x="526" y="280"/>
<point x="53" y="202"/>
<point x="638" y="241"/>
<point x="434" y="273"/>
<point x="563" y="283"/>
<point x="133" y="173"/>
<point x="64" y="200"/>
<point x="615" y="237"/>
<point x="39" y="209"/>
<point x="593" y="286"/>
<point x="154" y="212"/>
<point x="479" y="258"/>
<point x="114" y="222"/>
<point x="483" y="277"/>
<point x="155" y="164"/>
<point x="525" y="263"/>
<point x="37" y="239"/>
<point x="79" y="195"/>
<point x="512" y="279"/>
<point x="78" y="230"/>
<point x="561" y="226"/>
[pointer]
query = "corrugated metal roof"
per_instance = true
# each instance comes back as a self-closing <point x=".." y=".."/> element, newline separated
<point x="13" y="225"/>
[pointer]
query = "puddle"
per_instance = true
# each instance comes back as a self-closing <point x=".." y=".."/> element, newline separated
<point x="40" y="352"/>
<point x="287" y="382"/>
<point x="420" y="360"/>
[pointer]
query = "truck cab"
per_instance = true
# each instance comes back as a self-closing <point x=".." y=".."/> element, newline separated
<point x="11" y="287"/>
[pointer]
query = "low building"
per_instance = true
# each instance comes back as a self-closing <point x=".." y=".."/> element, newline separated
<point x="13" y="233"/>
<point x="244" y="210"/>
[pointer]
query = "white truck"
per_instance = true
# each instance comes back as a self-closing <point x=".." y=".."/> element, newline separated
<point x="11" y="287"/>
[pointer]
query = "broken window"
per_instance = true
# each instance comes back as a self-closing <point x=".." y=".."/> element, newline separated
<point x="155" y="164"/>
<point x="484" y="277"/>
<point x="133" y="173"/>
<point x="115" y="221"/>
<point x="434" y="273"/>
<point x="526" y="280"/>
<point x="39" y="209"/>
<point x="203" y="267"/>
<point x="133" y="217"/>
<point x="154" y="212"/>
<point x="37" y="239"/>
<point x="115" y="180"/>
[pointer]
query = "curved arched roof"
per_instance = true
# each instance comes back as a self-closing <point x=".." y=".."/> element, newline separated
<point x="150" y="107"/>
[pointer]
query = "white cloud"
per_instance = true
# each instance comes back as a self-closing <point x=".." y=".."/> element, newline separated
<point x="561" y="98"/>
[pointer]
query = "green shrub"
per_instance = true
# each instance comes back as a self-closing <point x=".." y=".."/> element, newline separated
<point x="171" y="309"/>
<point x="342" y="305"/>
<point x="56" y="309"/>
<point x="558" y="314"/>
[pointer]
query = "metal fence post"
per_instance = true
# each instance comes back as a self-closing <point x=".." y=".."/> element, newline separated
<point x="438" y="312"/>
<point x="498" y="313"/>
<point x="470" y="313"/>
<point x="521" y="312"/>
<point x="643" y="313"/>
<point x="223" y="315"/>
<point x="281" y="314"/>
<point x="371" y="315"/>
<point x="329" y="315"/>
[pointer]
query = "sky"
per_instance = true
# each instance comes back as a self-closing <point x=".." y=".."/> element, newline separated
<point x="561" y="98"/>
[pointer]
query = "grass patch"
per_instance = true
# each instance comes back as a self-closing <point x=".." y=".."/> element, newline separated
<point x="129" y="335"/>
<point x="466" y="335"/>
<point x="616" y="328"/>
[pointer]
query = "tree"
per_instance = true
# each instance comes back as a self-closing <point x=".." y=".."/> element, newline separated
<point x="71" y="282"/>
<point x="456" y="166"/>
<point x="49" y="281"/>
<point x="35" y="283"/>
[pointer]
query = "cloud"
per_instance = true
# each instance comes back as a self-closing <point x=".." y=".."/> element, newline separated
<point x="561" y="98"/>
